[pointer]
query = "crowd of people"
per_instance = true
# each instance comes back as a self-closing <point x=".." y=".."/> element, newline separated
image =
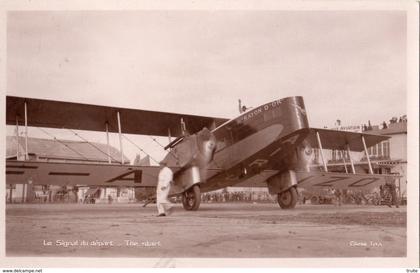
<point x="385" y="195"/>
<point x="236" y="196"/>
<point x="385" y="125"/>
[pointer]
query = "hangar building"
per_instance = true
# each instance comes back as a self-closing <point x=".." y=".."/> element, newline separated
<point x="62" y="151"/>
<point x="387" y="157"/>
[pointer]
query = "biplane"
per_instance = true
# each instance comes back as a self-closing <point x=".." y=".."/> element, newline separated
<point x="266" y="146"/>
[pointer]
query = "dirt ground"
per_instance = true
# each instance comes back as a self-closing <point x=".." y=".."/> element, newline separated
<point x="230" y="230"/>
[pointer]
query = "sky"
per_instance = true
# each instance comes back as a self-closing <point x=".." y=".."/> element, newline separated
<point x="348" y="65"/>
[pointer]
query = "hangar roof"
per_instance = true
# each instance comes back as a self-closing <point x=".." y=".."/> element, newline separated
<point x="49" y="149"/>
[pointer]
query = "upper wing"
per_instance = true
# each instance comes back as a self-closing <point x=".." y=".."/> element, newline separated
<point x="59" y="114"/>
<point x="338" y="140"/>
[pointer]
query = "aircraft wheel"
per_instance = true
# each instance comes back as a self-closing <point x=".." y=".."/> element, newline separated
<point x="288" y="199"/>
<point x="315" y="200"/>
<point x="191" y="198"/>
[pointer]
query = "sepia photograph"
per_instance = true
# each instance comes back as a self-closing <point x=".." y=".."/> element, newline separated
<point x="209" y="133"/>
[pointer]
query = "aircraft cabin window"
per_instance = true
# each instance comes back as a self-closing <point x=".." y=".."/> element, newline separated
<point x="242" y="132"/>
<point x="221" y="144"/>
<point x="224" y="139"/>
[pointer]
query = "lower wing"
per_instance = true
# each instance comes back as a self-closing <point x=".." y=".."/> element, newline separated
<point x="365" y="182"/>
<point x="314" y="181"/>
<point x="63" y="174"/>
<point x="83" y="174"/>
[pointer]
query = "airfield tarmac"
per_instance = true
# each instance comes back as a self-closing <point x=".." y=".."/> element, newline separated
<point x="230" y="230"/>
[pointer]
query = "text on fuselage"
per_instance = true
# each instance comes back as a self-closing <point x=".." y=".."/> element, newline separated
<point x="261" y="109"/>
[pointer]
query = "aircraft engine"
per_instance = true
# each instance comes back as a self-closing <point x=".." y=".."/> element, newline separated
<point x="281" y="182"/>
<point x="188" y="177"/>
<point x="206" y="143"/>
<point x="192" y="155"/>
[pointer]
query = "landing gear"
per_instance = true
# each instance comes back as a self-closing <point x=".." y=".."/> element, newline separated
<point x="288" y="198"/>
<point x="315" y="200"/>
<point x="191" y="198"/>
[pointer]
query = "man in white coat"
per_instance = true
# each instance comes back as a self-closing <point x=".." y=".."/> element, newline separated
<point x="197" y="151"/>
<point x="162" y="191"/>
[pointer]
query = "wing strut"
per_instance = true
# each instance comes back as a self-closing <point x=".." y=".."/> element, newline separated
<point x="169" y="135"/>
<point x="322" y="151"/>
<point x="351" y="159"/>
<point x="107" y="143"/>
<point x="367" y="155"/>
<point x="119" y="134"/>
<point x="23" y="192"/>
<point x="344" y="161"/>
<point x="17" y="139"/>
<point x="183" y="127"/>
<point x="26" y="132"/>
<point x="11" y="194"/>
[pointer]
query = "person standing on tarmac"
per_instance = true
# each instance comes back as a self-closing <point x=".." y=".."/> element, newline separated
<point x="162" y="191"/>
<point x="393" y="190"/>
<point x="196" y="151"/>
<point x="337" y="194"/>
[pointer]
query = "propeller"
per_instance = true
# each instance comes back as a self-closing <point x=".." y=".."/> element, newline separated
<point x="193" y="154"/>
<point x="206" y="142"/>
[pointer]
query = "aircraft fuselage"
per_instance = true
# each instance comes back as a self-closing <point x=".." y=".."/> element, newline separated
<point x="254" y="141"/>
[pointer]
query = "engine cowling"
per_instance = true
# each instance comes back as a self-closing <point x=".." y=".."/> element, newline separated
<point x="192" y="155"/>
<point x="281" y="182"/>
